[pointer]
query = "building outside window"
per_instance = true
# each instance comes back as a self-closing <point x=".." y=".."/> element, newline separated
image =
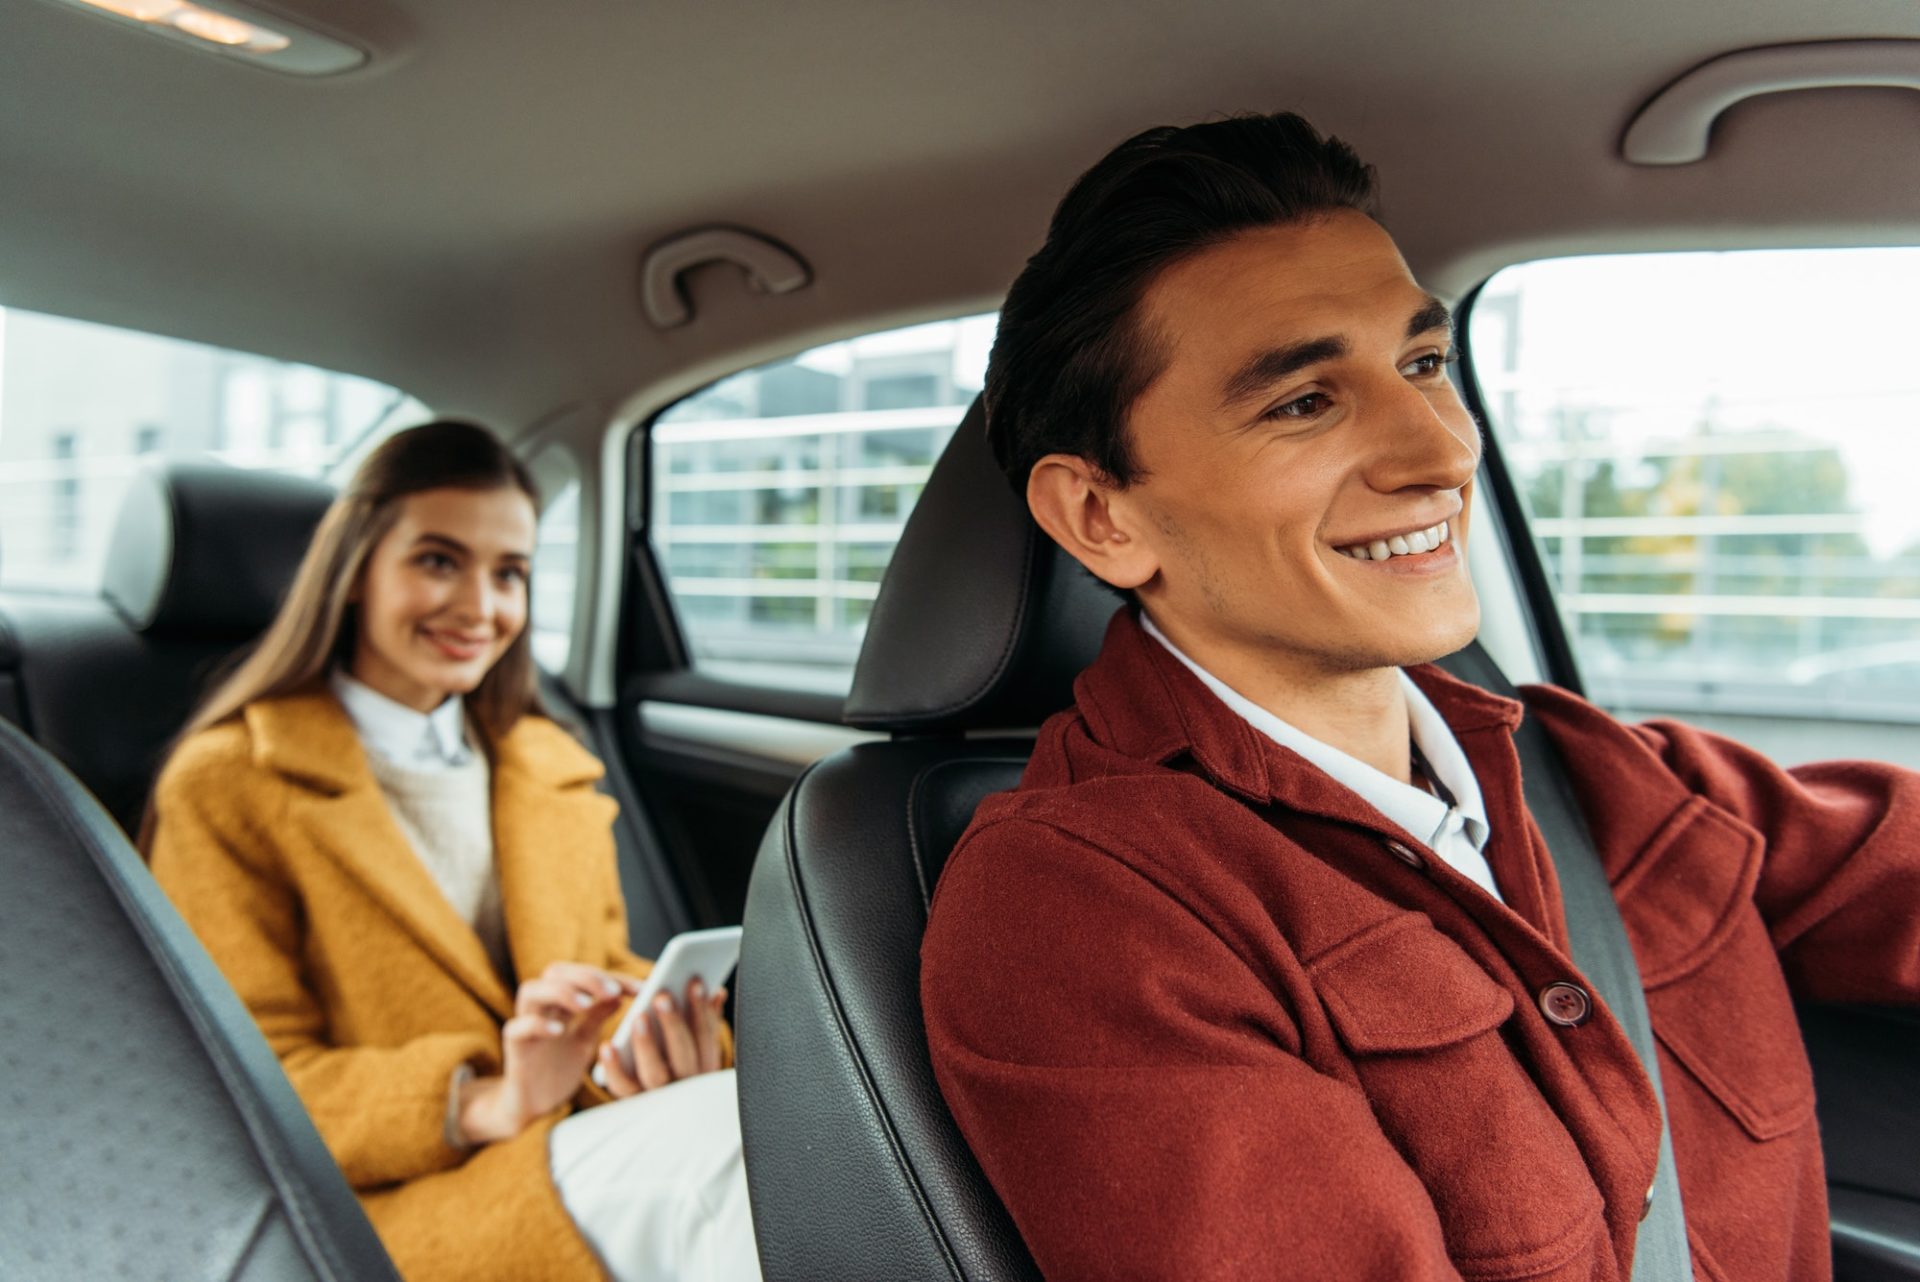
<point x="83" y="405"/>
<point x="779" y="495"/>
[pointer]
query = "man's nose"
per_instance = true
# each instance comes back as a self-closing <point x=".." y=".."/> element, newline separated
<point x="1423" y="441"/>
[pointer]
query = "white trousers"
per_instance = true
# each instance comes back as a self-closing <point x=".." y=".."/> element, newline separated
<point x="656" y="1184"/>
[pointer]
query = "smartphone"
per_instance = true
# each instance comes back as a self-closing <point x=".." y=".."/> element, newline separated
<point x="706" y="955"/>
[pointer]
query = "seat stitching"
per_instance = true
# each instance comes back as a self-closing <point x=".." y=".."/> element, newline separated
<point x="827" y="986"/>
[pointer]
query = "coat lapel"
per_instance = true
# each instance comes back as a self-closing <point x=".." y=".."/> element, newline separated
<point x="551" y="839"/>
<point x="339" y="808"/>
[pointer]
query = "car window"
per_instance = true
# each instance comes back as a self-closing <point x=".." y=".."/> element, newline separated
<point x="779" y="494"/>
<point x="1716" y="453"/>
<point x="82" y="404"/>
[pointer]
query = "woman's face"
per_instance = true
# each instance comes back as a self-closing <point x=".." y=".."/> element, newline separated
<point x="443" y="594"/>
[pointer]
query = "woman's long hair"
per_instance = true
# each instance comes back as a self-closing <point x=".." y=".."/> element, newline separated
<point x="316" y="626"/>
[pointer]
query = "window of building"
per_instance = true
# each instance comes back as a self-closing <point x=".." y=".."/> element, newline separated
<point x="81" y="404"/>
<point x="1717" y="453"/>
<point x="779" y="495"/>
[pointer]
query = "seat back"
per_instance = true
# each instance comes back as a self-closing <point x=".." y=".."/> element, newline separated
<point x="196" y="566"/>
<point x="147" y="1130"/>
<point x="856" y="1169"/>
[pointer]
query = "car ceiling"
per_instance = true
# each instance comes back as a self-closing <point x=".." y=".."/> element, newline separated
<point x="464" y="217"/>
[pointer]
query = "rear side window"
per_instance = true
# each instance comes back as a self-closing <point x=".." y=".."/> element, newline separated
<point x="1717" y="452"/>
<point x="81" y="405"/>
<point x="779" y="494"/>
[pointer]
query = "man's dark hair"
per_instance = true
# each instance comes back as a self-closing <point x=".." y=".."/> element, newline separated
<point x="1071" y="356"/>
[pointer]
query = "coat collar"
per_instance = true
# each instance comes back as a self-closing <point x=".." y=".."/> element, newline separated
<point x="541" y="815"/>
<point x="308" y="738"/>
<point x="1142" y="702"/>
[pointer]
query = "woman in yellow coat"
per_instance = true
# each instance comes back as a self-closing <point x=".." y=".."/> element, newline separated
<point x="406" y="872"/>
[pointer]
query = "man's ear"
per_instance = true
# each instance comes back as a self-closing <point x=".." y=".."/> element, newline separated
<point x="1085" y="513"/>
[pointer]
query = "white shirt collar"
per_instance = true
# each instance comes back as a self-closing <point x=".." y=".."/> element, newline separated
<point x="402" y="735"/>
<point x="1415" y="810"/>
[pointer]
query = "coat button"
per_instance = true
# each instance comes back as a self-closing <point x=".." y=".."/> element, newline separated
<point x="1646" y="1207"/>
<point x="1406" y="854"/>
<point x="1565" y="1004"/>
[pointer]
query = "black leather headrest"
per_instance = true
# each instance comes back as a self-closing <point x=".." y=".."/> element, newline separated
<point x="982" y="621"/>
<point x="205" y="548"/>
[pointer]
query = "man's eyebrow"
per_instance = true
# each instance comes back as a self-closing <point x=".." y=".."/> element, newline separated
<point x="1268" y="367"/>
<point x="1434" y="315"/>
<point x="1263" y="369"/>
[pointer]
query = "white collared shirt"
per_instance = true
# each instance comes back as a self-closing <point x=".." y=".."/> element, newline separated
<point x="425" y="741"/>
<point x="1457" y="833"/>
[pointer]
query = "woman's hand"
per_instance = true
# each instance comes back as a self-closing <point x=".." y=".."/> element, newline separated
<point x="668" y="1045"/>
<point x="547" y="1046"/>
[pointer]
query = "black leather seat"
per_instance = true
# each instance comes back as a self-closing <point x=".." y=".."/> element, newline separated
<point x="856" y="1170"/>
<point x="195" y="569"/>
<point x="147" y="1130"/>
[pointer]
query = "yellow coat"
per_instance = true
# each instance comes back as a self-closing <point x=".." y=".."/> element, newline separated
<point x="275" y="842"/>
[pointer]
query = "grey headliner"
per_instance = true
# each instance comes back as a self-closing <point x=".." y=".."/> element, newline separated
<point x="464" y="218"/>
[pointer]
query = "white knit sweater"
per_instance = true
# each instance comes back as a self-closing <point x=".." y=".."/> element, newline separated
<point x="446" y="816"/>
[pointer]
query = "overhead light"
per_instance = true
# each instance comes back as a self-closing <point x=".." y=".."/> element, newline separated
<point x="220" y="27"/>
<point x="139" y="10"/>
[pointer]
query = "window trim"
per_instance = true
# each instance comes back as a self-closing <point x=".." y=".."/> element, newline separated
<point x="1551" y="641"/>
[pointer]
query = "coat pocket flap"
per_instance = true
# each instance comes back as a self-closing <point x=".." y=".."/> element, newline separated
<point x="1681" y="897"/>
<point x="1401" y="985"/>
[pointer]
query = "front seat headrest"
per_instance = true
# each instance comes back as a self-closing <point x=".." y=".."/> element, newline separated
<point x="210" y="549"/>
<point x="982" y="622"/>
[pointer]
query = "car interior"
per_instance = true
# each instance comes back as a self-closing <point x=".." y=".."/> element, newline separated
<point x="724" y="278"/>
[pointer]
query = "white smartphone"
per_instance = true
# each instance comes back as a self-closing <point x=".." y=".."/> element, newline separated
<point x="706" y="955"/>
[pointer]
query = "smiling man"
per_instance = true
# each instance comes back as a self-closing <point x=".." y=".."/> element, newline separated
<point x="1263" y="971"/>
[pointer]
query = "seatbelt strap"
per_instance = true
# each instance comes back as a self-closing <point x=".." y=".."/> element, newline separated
<point x="1605" y="956"/>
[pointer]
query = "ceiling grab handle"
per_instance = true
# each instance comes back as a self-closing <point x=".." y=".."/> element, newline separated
<point x="771" y="268"/>
<point x="1674" y="125"/>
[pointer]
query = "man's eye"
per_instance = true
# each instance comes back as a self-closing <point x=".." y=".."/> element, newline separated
<point x="1300" y="407"/>
<point x="1431" y="363"/>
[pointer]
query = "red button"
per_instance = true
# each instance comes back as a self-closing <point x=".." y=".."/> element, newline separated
<point x="1565" y="1004"/>
<point x="1406" y="854"/>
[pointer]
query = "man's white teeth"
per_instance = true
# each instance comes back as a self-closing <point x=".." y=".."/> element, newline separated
<point x="1419" y="541"/>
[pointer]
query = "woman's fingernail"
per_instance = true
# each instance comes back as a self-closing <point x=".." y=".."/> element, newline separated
<point x="555" y="1027"/>
<point x="663" y="1003"/>
<point x="583" y="1000"/>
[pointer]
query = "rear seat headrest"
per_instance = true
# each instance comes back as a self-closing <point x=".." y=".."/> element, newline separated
<point x="982" y="622"/>
<point x="205" y="548"/>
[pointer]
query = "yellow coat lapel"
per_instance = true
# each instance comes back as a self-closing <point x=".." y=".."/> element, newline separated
<point x="339" y="808"/>
<point x="549" y="840"/>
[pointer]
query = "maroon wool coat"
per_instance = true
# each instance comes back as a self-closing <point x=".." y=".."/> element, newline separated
<point x="1197" y="1020"/>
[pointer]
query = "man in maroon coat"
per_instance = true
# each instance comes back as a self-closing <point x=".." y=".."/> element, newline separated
<point x="1263" y="972"/>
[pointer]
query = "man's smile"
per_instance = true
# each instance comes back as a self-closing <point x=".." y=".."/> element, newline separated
<point x="1423" y="541"/>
